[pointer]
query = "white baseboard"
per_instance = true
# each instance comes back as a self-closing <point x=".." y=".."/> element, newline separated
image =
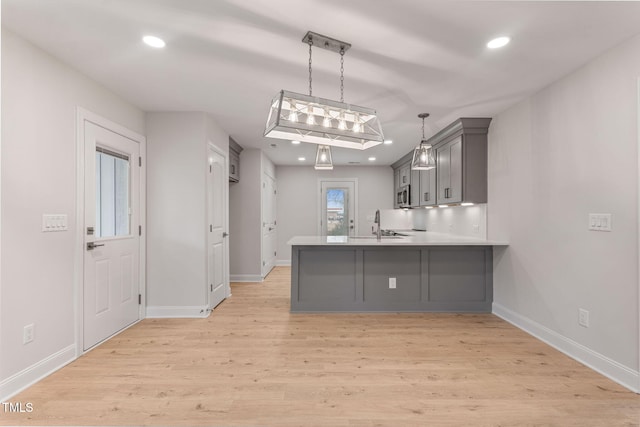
<point x="283" y="263"/>
<point x="611" y="369"/>
<point x="34" y="373"/>
<point x="245" y="278"/>
<point x="161" y="312"/>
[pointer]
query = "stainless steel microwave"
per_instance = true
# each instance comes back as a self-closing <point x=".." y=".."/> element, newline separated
<point x="402" y="196"/>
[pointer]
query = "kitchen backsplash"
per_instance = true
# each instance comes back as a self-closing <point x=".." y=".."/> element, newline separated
<point x="470" y="221"/>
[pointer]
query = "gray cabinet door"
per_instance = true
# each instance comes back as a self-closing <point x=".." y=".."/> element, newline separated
<point x="427" y="188"/>
<point x="449" y="172"/>
<point x="455" y="172"/>
<point x="405" y="174"/>
<point x="234" y="166"/>
<point x="414" y="190"/>
<point x="396" y="185"/>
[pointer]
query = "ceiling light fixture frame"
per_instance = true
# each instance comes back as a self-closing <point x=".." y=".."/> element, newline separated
<point x="319" y="120"/>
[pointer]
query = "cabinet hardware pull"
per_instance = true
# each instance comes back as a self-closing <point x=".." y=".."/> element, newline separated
<point x="426" y="196"/>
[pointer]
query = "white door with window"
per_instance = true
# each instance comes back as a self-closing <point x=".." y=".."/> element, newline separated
<point x="216" y="252"/>
<point x="111" y="283"/>
<point x="338" y="208"/>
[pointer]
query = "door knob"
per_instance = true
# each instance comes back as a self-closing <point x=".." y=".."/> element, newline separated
<point x="225" y="234"/>
<point x="92" y="245"/>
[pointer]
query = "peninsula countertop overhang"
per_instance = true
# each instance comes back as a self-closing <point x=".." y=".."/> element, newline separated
<point x="413" y="238"/>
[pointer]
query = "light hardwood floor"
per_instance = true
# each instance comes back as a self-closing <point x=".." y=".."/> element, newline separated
<point x="251" y="363"/>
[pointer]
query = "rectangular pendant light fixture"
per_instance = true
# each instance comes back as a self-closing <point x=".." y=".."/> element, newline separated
<point x="307" y="118"/>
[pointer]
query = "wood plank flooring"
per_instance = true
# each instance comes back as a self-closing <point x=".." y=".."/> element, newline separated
<point x="252" y="363"/>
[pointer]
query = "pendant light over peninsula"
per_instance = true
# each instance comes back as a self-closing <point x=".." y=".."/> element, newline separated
<point x="307" y="118"/>
<point x="423" y="158"/>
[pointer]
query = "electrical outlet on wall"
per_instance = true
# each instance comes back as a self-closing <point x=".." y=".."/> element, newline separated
<point x="392" y="282"/>
<point x="28" y="334"/>
<point x="583" y="317"/>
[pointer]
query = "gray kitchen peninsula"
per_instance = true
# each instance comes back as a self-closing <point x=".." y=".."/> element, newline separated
<point x="421" y="272"/>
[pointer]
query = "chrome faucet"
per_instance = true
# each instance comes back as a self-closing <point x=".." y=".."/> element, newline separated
<point x="377" y="221"/>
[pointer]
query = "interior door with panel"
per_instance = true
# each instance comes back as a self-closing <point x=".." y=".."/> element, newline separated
<point x="111" y="282"/>
<point x="337" y="208"/>
<point x="269" y="224"/>
<point x="216" y="248"/>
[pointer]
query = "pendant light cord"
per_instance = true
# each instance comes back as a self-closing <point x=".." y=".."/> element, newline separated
<point x="310" y="79"/>
<point x="342" y="74"/>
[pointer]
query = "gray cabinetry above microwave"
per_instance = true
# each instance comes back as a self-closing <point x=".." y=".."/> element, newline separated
<point x="234" y="160"/>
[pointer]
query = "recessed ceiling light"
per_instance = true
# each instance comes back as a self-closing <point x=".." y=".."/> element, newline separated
<point x="295" y="142"/>
<point x="301" y="159"/>
<point x="498" y="42"/>
<point x="372" y="159"/>
<point x="154" y="41"/>
<point x="388" y="141"/>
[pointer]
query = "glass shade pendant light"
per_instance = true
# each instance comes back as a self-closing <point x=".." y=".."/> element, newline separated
<point x="423" y="158"/>
<point x="292" y="115"/>
<point x="323" y="158"/>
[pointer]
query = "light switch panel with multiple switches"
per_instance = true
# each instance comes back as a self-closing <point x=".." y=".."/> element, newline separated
<point x="54" y="222"/>
<point x="599" y="222"/>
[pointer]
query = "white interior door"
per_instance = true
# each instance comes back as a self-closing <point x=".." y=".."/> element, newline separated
<point x="338" y="208"/>
<point x="111" y="283"/>
<point x="269" y="224"/>
<point x="216" y="252"/>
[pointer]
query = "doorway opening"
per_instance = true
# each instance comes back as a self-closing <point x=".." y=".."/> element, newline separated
<point x="338" y="208"/>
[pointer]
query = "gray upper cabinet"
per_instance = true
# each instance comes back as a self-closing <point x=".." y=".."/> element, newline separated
<point x="427" y="188"/>
<point x="405" y="174"/>
<point x="461" y="167"/>
<point x="234" y="160"/>
<point x="461" y="161"/>
<point x="396" y="186"/>
<point x="414" y="190"/>
<point x="449" y="171"/>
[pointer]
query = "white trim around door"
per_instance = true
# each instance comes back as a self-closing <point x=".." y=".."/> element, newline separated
<point x="83" y="116"/>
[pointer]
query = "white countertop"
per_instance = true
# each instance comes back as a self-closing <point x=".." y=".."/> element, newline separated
<point x="414" y="238"/>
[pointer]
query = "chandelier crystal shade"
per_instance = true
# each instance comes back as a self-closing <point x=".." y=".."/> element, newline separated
<point x="323" y="158"/>
<point x="315" y="120"/>
<point x="423" y="158"/>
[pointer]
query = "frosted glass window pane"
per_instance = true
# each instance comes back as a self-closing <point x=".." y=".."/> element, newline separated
<point x="112" y="195"/>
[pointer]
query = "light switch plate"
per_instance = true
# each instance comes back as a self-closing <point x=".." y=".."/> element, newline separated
<point x="600" y="221"/>
<point x="54" y="222"/>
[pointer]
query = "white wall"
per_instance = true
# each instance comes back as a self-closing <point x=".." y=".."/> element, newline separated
<point x="299" y="200"/>
<point x="39" y="100"/>
<point x="570" y="150"/>
<point x="176" y="210"/>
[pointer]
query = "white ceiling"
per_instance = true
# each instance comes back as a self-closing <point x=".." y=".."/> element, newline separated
<point x="230" y="57"/>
